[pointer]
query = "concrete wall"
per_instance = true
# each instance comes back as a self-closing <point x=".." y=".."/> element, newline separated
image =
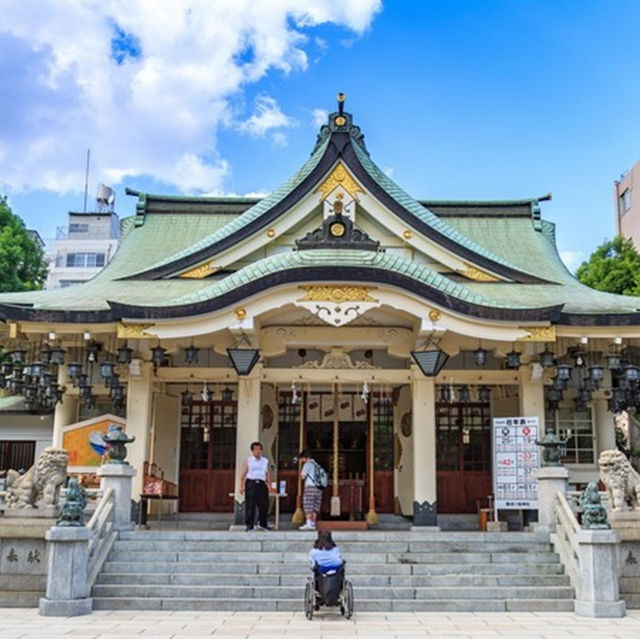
<point x="628" y="222"/>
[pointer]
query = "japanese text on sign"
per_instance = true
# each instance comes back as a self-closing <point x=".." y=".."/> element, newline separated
<point x="515" y="462"/>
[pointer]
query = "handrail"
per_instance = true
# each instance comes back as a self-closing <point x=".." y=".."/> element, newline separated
<point x="103" y="534"/>
<point x="565" y="538"/>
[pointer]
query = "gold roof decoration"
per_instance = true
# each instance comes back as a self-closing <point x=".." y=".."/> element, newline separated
<point x="539" y="334"/>
<point x="199" y="272"/>
<point x="134" y="331"/>
<point x="340" y="177"/>
<point x="337" y="294"/>
<point x="476" y="274"/>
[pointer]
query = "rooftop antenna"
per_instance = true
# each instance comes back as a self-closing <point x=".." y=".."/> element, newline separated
<point x="86" y="181"/>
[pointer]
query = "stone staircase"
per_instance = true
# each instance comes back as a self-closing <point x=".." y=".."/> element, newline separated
<point x="390" y="571"/>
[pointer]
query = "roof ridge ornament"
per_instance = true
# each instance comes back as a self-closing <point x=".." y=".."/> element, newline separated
<point x="340" y="121"/>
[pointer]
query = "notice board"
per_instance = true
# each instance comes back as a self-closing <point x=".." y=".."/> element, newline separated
<point x="516" y="458"/>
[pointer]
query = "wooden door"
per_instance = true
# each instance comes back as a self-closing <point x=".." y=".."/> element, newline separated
<point x="207" y="456"/>
<point x="463" y="449"/>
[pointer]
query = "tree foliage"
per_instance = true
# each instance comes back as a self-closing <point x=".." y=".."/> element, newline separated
<point x="22" y="263"/>
<point x="614" y="267"/>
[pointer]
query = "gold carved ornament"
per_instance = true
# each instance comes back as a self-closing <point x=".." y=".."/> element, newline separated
<point x="476" y="274"/>
<point x="337" y="294"/>
<point x="200" y="272"/>
<point x="340" y="177"/>
<point x="134" y="331"/>
<point x="538" y="334"/>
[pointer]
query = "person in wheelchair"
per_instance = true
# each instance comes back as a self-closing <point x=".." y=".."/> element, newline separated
<point x="327" y="565"/>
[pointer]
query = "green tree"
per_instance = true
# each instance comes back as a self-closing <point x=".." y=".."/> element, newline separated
<point x="22" y="263"/>
<point x="614" y="267"/>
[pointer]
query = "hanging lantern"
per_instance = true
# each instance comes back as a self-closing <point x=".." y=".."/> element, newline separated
<point x="445" y="394"/>
<point x="112" y="381"/>
<point x="585" y="395"/>
<point x="18" y="356"/>
<point x="93" y="349"/>
<point x="579" y="405"/>
<point x="578" y="358"/>
<point x="464" y="395"/>
<point x="186" y="398"/>
<point x="206" y="394"/>
<point x="564" y="372"/>
<point x="227" y="395"/>
<point x="37" y="368"/>
<point x="86" y="391"/>
<point x="631" y="373"/>
<point x="559" y="384"/>
<point x="243" y="359"/>
<point x="74" y="369"/>
<point x="57" y="356"/>
<point x="158" y="355"/>
<point x="596" y="373"/>
<point x="6" y="368"/>
<point x="430" y="361"/>
<point x="18" y="372"/>
<point x="614" y="362"/>
<point x="191" y="355"/>
<point x="554" y="395"/>
<point x="82" y="380"/>
<point x="124" y="355"/>
<point x="484" y="394"/>
<point x="480" y="356"/>
<point x="117" y="393"/>
<point x="45" y="355"/>
<point x="547" y="359"/>
<point x="107" y="370"/>
<point x="46" y="379"/>
<point x="513" y="360"/>
<point x="3" y="380"/>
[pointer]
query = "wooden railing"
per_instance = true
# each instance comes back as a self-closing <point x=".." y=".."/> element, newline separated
<point x="104" y="535"/>
<point x="565" y="538"/>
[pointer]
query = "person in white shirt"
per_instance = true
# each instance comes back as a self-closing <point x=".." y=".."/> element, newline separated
<point x="255" y="482"/>
<point x="312" y="493"/>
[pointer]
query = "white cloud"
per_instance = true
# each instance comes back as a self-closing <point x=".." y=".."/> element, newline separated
<point x="267" y="116"/>
<point x="145" y="85"/>
<point x="320" y="117"/>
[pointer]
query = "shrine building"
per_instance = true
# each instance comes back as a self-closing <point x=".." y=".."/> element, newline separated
<point x="338" y="314"/>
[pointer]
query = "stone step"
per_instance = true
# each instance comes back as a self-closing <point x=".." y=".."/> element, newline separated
<point x="361" y="605"/>
<point x="290" y="592"/>
<point x="340" y="536"/>
<point x="252" y="544"/>
<point x="366" y="580"/>
<point x="301" y="558"/>
<point x="212" y="568"/>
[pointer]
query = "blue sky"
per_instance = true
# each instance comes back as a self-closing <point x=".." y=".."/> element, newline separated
<point x="459" y="100"/>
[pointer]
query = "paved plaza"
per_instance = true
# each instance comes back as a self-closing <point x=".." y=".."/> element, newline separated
<point x="27" y="624"/>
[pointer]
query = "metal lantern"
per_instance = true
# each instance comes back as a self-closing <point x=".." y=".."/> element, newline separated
<point x="18" y="372"/>
<point x="45" y="355"/>
<point x="585" y="395"/>
<point x="547" y="359"/>
<point x="6" y="368"/>
<point x="559" y="384"/>
<point x="3" y="380"/>
<point x="86" y="391"/>
<point x="111" y="382"/>
<point x="564" y="372"/>
<point x="46" y="379"/>
<point x="484" y="394"/>
<point x="631" y="373"/>
<point x="37" y="368"/>
<point x="117" y="393"/>
<point x="18" y="356"/>
<point x="554" y="395"/>
<point x="82" y="380"/>
<point x="579" y="405"/>
<point x="124" y="355"/>
<point x="480" y="357"/>
<point x="596" y="373"/>
<point x="191" y="354"/>
<point x="464" y="395"/>
<point x="158" y="355"/>
<point x="445" y="394"/>
<point x="227" y="395"/>
<point x="430" y="361"/>
<point x="93" y="349"/>
<point x="613" y="361"/>
<point x="186" y="398"/>
<point x="579" y="358"/>
<point x="513" y="360"/>
<point x="57" y="356"/>
<point x="243" y="359"/>
<point x="107" y="370"/>
<point x="74" y="369"/>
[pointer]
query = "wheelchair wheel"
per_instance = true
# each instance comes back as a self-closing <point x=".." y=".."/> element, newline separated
<point x="347" y="600"/>
<point x="309" y="599"/>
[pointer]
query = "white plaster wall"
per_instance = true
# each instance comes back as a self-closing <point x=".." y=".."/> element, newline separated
<point x="26" y="427"/>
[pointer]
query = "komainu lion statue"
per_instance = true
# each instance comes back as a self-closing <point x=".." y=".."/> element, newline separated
<point x="620" y="479"/>
<point x="40" y="485"/>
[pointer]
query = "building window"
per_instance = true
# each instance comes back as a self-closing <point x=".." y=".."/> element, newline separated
<point x="78" y="228"/>
<point x="625" y="200"/>
<point x="577" y="429"/>
<point x="80" y="260"/>
<point x="17" y="455"/>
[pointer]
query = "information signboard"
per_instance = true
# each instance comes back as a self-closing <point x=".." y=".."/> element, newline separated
<point x="516" y="458"/>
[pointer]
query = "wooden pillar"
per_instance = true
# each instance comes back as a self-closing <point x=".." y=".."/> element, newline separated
<point x="248" y="430"/>
<point x="139" y="418"/>
<point x="372" y="515"/>
<point x="298" y="516"/>
<point x="65" y="412"/>
<point x="335" y="495"/>
<point x="425" y="503"/>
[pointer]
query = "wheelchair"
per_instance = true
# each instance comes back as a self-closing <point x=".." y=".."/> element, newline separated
<point x="328" y="589"/>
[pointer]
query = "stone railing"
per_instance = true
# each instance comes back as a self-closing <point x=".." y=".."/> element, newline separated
<point x="104" y="534"/>
<point x="565" y="539"/>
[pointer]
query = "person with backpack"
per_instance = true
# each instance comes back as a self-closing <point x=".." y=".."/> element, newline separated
<point x="315" y="479"/>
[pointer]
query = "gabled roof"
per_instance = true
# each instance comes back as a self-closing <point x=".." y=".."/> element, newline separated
<point x="169" y="234"/>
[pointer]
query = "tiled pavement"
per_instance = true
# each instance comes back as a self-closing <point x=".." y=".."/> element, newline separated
<point x="27" y="624"/>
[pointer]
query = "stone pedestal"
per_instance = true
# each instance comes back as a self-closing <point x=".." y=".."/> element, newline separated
<point x="551" y="479"/>
<point x="42" y="512"/>
<point x="118" y="477"/>
<point x="627" y="524"/>
<point x="67" y="591"/>
<point x="598" y="556"/>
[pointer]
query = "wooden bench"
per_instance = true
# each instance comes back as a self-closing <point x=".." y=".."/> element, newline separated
<point x="155" y="486"/>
